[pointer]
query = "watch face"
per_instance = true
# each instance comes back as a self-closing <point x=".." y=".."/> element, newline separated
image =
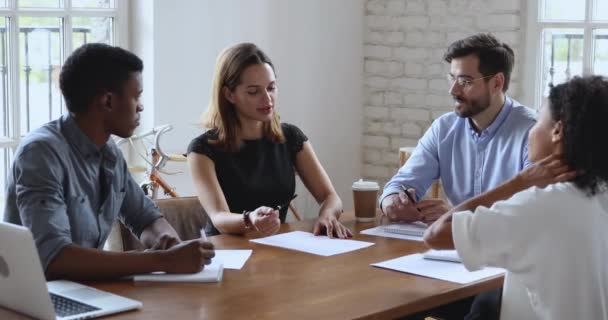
<point x="4" y="271"/>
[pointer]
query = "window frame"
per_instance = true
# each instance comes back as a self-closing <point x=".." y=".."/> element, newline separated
<point x="532" y="81"/>
<point x="120" y="35"/>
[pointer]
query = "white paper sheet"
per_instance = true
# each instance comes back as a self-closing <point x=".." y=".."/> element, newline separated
<point x="307" y="242"/>
<point x="443" y="270"/>
<point x="379" y="231"/>
<point x="232" y="259"/>
<point x="211" y="273"/>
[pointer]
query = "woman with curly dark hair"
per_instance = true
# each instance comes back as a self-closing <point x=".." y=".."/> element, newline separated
<point x="547" y="226"/>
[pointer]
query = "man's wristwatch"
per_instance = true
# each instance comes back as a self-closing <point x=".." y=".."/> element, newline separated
<point x="247" y="219"/>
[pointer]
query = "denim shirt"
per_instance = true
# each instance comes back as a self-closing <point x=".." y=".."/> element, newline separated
<point x="468" y="163"/>
<point x="54" y="189"/>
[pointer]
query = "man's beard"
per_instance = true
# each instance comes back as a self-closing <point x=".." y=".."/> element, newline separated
<point x="472" y="107"/>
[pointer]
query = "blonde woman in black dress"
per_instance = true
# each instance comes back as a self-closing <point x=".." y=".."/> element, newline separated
<point x="244" y="166"/>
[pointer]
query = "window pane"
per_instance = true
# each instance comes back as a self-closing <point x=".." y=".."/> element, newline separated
<point x="7" y="114"/>
<point x="3" y="3"/>
<point x="39" y="66"/>
<point x="39" y="3"/>
<point x="568" y="10"/>
<point x="600" y="52"/>
<point x="562" y="55"/>
<point x="600" y="10"/>
<point x="93" y="4"/>
<point x="91" y="29"/>
<point x="6" y="159"/>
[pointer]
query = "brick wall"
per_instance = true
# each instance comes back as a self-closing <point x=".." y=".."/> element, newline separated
<point x="405" y="86"/>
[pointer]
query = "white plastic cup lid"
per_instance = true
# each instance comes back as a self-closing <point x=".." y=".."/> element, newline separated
<point x="365" y="185"/>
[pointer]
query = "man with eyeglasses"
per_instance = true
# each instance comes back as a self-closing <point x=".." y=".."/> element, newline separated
<point x="480" y="145"/>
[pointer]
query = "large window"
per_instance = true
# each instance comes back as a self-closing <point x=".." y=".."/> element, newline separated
<point x="35" y="38"/>
<point x="565" y="38"/>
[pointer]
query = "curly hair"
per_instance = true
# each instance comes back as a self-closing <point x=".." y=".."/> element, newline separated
<point x="92" y="69"/>
<point x="494" y="56"/>
<point x="582" y="106"/>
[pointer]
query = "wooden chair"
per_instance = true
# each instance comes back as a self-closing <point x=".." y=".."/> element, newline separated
<point x="404" y="154"/>
<point x="186" y="216"/>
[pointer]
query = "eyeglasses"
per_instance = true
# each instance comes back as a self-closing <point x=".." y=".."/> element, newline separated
<point x="464" y="82"/>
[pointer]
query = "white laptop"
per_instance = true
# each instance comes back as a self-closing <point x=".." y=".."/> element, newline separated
<point x="23" y="287"/>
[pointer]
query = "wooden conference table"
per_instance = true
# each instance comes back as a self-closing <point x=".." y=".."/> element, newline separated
<point x="277" y="283"/>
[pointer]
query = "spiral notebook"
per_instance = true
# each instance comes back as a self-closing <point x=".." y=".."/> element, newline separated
<point x="411" y="229"/>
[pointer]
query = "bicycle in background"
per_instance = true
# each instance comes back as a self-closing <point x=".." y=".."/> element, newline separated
<point x="155" y="160"/>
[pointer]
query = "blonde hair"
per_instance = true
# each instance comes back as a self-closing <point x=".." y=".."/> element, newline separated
<point x="221" y="113"/>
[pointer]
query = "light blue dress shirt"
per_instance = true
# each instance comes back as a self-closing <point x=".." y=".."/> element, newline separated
<point x="56" y="189"/>
<point x="467" y="163"/>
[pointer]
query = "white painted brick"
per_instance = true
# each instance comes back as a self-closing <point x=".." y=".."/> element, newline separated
<point x="372" y="156"/>
<point x="393" y="98"/>
<point x="411" y="130"/>
<point x="434" y="100"/>
<point x="409" y="83"/>
<point x="438" y="85"/>
<point x="375" y="7"/>
<point x="376" y="113"/>
<point x="376" y="171"/>
<point x="409" y="114"/>
<point x="452" y="37"/>
<point x="414" y="69"/>
<point x="451" y="23"/>
<point x="410" y="54"/>
<point x="375" y="98"/>
<point x="395" y="7"/>
<point x="414" y="23"/>
<point x="393" y="38"/>
<point x="389" y="69"/>
<point x="390" y="159"/>
<point x="436" y="69"/>
<point x="437" y="7"/>
<point x="397" y="143"/>
<point x="414" y="99"/>
<point x="511" y="38"/>
<point x="415" y="7"/>
<point x="373" y="128"/>
<point x="377" y="82"/>
<point x="504" y="5"/>
<point x="499" y="22"/>
<point x="392" y="129"/>
<point x="384" y="23"/>
<point x="372" y="51"/>
<point x="377" y="142"/>
<point x="374" y="37"/>
<point x="437" y="55"/>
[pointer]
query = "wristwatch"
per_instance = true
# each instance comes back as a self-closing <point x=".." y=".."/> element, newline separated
<point x="247" y="219"/>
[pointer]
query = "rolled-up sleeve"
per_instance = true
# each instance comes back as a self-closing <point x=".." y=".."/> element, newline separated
<point x="38" y="178"/>
<point x="137" y="211"/>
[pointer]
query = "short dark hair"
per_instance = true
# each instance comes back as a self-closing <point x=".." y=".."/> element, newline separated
<point x="494" y="56"/>
<point x="92" y="69"/>
<point x="582" y="106"/>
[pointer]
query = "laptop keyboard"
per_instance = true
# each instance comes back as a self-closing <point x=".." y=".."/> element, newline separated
<point x="65" y="307"/>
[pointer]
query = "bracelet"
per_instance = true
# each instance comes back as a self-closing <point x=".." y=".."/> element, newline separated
<point x="247" y="219"/>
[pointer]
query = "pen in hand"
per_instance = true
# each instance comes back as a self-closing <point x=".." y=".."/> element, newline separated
<point x="286" y="204"/>
<point x="409" y="196"/>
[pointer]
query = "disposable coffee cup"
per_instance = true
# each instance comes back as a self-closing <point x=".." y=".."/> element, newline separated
<point x="365" y="195"/>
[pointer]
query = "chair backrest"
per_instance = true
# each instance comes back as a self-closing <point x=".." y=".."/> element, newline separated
<point x="186" y="216"/>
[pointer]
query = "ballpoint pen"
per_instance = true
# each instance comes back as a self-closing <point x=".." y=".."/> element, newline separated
<point x="286" y="203"/>
<point x="409" y="196"/>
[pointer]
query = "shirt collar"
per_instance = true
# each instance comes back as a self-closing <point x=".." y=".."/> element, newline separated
<point x="495" y="125"/>
<point x="82" y="143"/>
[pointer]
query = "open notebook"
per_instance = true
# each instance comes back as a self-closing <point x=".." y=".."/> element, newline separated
<point x="412" y="229"/>
<point x="211" y="273"/>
